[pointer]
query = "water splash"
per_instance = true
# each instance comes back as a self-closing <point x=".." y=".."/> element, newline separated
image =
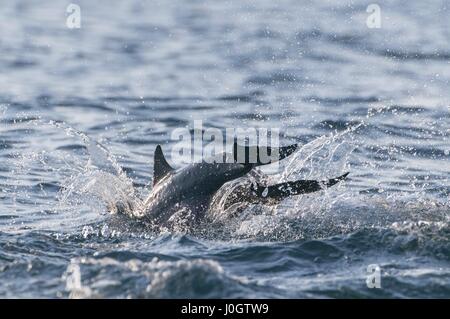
<point x="76" y="182"/>
<point x="322" y="158"/>
<point x="337" y="210"/>
<point x="94" y="182"/>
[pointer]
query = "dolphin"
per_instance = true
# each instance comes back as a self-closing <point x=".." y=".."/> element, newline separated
<point x="195" y="185"/>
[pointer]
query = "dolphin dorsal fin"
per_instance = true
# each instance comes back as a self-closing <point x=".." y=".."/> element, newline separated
<point x="160" y="166"/>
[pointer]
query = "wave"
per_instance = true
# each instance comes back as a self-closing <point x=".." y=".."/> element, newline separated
<point x="196" y="278"/>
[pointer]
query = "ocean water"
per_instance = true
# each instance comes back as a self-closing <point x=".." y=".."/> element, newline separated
<point x="82" y="110"/>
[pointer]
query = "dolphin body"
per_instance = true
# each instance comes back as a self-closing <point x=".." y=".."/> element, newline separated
<point x="195" y="185"/>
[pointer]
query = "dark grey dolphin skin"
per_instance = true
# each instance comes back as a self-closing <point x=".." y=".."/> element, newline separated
<point x="195" y="185"/>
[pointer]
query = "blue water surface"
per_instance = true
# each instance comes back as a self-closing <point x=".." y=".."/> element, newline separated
<point x="372" y="101"/>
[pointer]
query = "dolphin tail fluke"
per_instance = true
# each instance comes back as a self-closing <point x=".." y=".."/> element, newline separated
<point x="283" y="190"/>
<point x="336" y="180"/>
<point x="261" y="155"/>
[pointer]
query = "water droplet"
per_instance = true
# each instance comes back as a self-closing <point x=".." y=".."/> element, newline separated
<point x="265" y="192"/>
